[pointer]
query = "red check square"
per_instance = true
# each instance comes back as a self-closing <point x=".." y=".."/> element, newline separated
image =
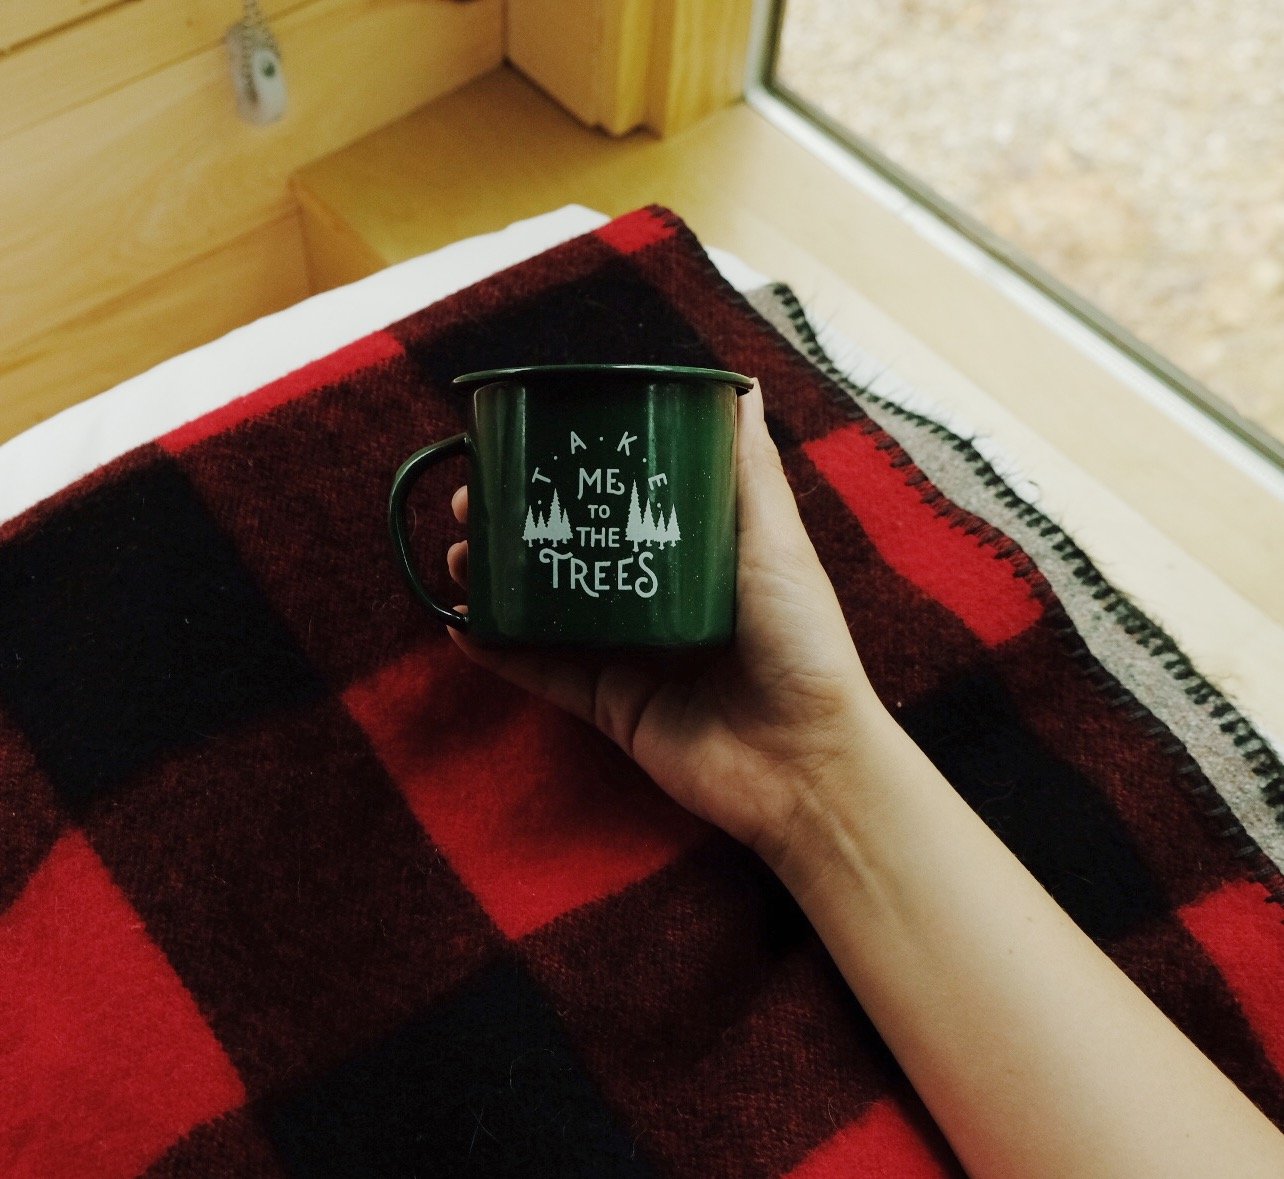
<point x="881" y="1144"/>
<point x="635" y="231"/>
<point x="1244" y="937"/>
<point x="537" y="813"/>
<point x="108" y="1057"/>
<point x="922" y="544"/>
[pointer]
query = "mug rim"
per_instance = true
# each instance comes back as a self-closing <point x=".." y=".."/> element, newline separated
<point x="677" y="372"/>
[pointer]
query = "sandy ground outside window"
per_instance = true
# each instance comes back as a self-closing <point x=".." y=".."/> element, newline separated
<point x="1136" y="151"/>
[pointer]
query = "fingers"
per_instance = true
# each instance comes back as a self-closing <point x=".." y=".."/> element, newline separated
<point x="457" y="563"/>
<point x="457" y="554"/>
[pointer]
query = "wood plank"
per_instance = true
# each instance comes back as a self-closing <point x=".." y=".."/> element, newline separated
<point x="698" y="60"/>
<point x="255" y="275"/>
<point x="555" y="43"/>
<point x="117" y="191"/>
<point x="336" y="254"/>
<point x="746" y="186"/>
<point x="93" y="57"/>
<point x="24" y="20"/>
<point x="622" y="64"/>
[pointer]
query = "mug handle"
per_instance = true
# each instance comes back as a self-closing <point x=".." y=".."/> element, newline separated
<point x="406" y="477"/>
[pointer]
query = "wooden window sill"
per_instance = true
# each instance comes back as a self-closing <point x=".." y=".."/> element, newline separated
<point x="1181" y="528"/>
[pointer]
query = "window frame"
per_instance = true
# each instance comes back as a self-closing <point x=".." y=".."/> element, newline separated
<point x="844" y="148"/>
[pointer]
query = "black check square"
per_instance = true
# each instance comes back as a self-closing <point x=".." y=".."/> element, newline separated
<point x="312" y="526"/>
<point x="708" y="1012"/>
<point x="293" y="892"/>
<point x="32" y="819"/>
<point x="233" y="1145"/>
<point x="129" y="628"/>
<point x="611" y="316"/>
<point x="1054" y="820"/>
<point x="485" y="1083"/>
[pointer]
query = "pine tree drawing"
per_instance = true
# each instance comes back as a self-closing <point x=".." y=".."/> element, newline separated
<point x="650" y="525"/>
<point x="530" y="533"/>
<point x="541" y="527"/>
<point x="559" y="527"/>
<point x="672" y="533"/>
<point x="633" y="530"/>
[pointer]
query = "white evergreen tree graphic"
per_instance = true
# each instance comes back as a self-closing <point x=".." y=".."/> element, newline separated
<point x="672" y="533"/>
<point x="634" y="530"/>
<point x="650" y="525"/>
<point x="559" y="527"/>
<point x="530" y="533"/>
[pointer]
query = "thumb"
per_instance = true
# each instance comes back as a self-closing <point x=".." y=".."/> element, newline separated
<point x="767" y="513"/>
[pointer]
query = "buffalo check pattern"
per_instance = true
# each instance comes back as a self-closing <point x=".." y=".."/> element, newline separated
<point x="288" y="888"/>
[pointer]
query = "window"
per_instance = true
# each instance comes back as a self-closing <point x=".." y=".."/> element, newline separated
<point x="1127" y="159"/>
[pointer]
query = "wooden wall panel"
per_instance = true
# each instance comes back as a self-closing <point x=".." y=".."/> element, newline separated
<point x="129" y="186"/>
<point x="139" y="215"/>
<point x="259" y="273"/>
<point x="552" y="43"/>
<point x="24" y="20"/>
<point x="95" y="56"/>
<point x="336" y="254"/>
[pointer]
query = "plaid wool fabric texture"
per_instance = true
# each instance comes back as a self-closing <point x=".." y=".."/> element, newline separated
<point x="289" y="888"/>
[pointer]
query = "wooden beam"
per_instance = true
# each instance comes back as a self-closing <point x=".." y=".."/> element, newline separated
<point x="622" y="64"/>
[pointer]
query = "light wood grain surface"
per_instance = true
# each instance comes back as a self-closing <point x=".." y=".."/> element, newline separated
<point x="92" y="57"/>
<point x="621" y="64"/>
<point x="127" y="168"/>
<point x="24" y="20"/>
<point x="261" y="272"/>
<point x="159" y="171"/>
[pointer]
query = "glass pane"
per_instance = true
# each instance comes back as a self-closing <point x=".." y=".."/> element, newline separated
<point x="1133" y="151"/>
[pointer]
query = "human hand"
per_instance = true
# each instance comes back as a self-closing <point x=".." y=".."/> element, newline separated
<point x="1035" y="1053"/>
<point x="740" y="736"/>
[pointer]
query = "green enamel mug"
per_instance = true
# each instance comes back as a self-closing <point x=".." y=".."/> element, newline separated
<point x="602" y="506"/>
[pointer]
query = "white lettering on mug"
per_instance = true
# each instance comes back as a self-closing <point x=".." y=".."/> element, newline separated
<point x="553" y="557"/>
<point x="643" y="587"/>
<point x="590" y="479"/>
<point x="578" y="571"/>
<point x="650" y="524"/>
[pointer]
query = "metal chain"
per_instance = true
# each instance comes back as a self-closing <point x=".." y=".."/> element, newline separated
<point x="254" y="32"/>
<point x="254" y="19"/>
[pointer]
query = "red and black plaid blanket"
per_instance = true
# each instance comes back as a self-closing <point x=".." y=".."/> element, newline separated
<point x="288" y="888"/>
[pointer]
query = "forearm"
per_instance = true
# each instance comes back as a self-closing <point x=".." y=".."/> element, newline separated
<point x="1034" y="1053"/>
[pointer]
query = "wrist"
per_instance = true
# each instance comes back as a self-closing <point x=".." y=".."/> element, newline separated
<point x="841" y="814"/>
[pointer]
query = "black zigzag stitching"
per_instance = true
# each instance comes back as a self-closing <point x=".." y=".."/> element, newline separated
<point x="1257" y="754"/>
